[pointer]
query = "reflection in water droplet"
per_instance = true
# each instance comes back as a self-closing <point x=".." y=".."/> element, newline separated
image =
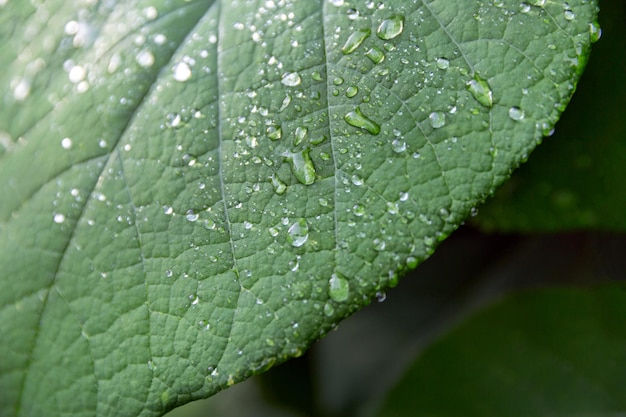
<point x="301" y="166"/>
<point x="375" y="55"/>
<point x="279" y="186"/>
<point x="390" y="28"/>
<point x="516" y="114"/>
<point x="357" y="119"/>
<point x="291" y="79"/>
<point x="437" y="119"/>
<point x="338" y="288"/>
<point x="481" y="91"/>
<point x="298" y="233"/>
<point x="354" y="40"/>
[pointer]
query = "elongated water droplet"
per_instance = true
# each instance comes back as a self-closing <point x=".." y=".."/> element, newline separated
<point x="354" y="40"/>
<point x="279" y="186"/>
<point x="516" y="114"/>
<point x="375" y="55"/>
<point x="595" y="32"/>
<point x="481" y="91"/>
<point x="300" y="134"/>
<point x="357" y="119"/>
<point x="338" y="288"/>
<point x="437" y="119"/>
<point x="298" y="233"/>
<point x="301" y="166"/>
<point x="390" y="28"/>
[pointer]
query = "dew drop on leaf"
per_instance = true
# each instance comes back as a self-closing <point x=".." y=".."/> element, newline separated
<point x="355" y="40"/>
<point x="357" y="119"/>
<point x="298" y="233"/>
<point x="291" y="79"/>
<point x="516" y="114"/>
<point x="437" y="119"/>
<point x="480" y="90"/>
<point x="390" y="28"/>
<point x="375" y="55"/>
<point x="338" y="288"/>
<point x="301" y="166"/>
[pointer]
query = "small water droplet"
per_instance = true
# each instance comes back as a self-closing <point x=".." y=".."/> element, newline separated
<point x="59" y="218"/>
<point x="274" y="132"/>
<point x="279" y="186"/>
<point x="191" y="216"/>
<point x="375" y="55"/>
<point x="291" y="79"/>
<point x="595" y="32"/>
<point x="379" y="244"/>
<point x="355" y="40"/>
<point x="480" y="90"/>
<point x="398" y="145"/>
<point x="516" y="114"/>
<point x="357" y="119"/>
<point x="569" y="15"/>
<point x="390" y="28"/>
<point x="66" y="143"/>
<point x="301" y="166"/>
<point x="338" y="288"/>
<point x="298" y="233"/>
<point x="352" y="91"/>
<point x="358" y="210"/>
<point x="437" y="119"/>
<point x="442" y="63"/>
<point x="329" y="310"/>
<point x="300" y="134"/>
<point x="182" y="72"/>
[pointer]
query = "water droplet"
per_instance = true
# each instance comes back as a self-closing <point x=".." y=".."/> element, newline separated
<point x="182" y="72"/>
<point x="338" y="288"/>
<point x="338" y="81"/>
<point x="298" y="233"/>
<point x="524" y="7"/>
<point x="66" y="143"/>
<point x="301" y="166"/>
<point x="145" y="59"/>
<point x="375" y="55"/>
<point x="412" y="262"/>
<point x="58" y="218"/>
<point x="569" y="15"/>
<point x="291" y="79"/>
<point x="516" y="114"/>
<point x="352" y="91"/>
<point x="381" y="296"/>
<point x="390" y="28"/>
<point x="398" y="145"/>
<point x="443" y="63"/>
<point x="317" y="76"/>
<point x="354" y="40"/>
<point x="437" y="119"/>
<point x="481" y="91"/>
<point x="274" y="132"/>
<point x="358" y="210"/>
<point x="300" y="134"/>
<point x="329" y="310"/>
<point x="379" y="244"/>
<point x="191" y="216"/>
<point x="279" y="186"/>
<point x="357" y="119"/>
<point x="595" y="32"/>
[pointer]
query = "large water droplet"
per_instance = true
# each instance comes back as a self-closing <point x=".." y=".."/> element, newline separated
<point x="390" y="28"/>
<point x="300" y="134"/>
<point x="182" y="72"/>
<point x="481" y="91"/>
<point x="357" y="119"/>
<point x="298" y="233"/>
<point x="516" y="114"/>
<point x="354" y="40"/>
<point x="291" y="79"/>
<point x="301" y="166"/>
<point x="375" y="55"/>
<point x="595" y="32"/>
<point x="437" y="119"/>
<point x="338" y="288"/>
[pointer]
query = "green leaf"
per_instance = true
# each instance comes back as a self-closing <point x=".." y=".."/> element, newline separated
<point x="195" y="191"/>
<point x="545" y="352"/>
<point x="573" y="180"/>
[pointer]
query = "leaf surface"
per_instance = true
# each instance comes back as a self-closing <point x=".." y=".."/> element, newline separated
<point x="194" y="191"/>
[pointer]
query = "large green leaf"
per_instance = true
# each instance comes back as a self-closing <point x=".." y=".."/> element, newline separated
<point x="543" y="353"/>
<point x="194" y="191"/>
